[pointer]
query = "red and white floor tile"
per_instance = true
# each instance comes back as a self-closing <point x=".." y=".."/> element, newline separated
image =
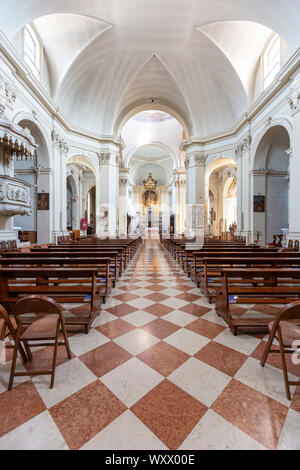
<point x="159" y="370"/>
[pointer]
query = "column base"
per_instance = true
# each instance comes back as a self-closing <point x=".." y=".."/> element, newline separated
<point x="249" y="236"/>
<point x="59" y="233"/>
<point x="293" y="236"/>
<point x="6" y="235"/>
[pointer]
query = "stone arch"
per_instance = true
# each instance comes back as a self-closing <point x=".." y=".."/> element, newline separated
<point x="25" y="119"/>
<point x="270" y="183"/>
<point x="216" y="223"/>
<point x="39" y="174"/>
<point x="283" y="121"/>
<point x="158" y="144"/>
<point x="140" y="107"/>
<point x="83" y="185"/>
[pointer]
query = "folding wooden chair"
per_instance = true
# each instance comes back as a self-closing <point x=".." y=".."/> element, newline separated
<point x="286" y="330"/>
<point x="8" y="327"/>
<point x="44" y="331"/>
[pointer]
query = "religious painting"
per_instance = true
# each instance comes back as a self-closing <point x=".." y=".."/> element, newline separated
<point x="43" y="202"/>
<point x="259" y="203"/>
<point x="150" y="198"/>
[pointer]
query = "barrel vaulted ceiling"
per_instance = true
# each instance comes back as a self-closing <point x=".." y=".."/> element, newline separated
<point x="196" y="57"/>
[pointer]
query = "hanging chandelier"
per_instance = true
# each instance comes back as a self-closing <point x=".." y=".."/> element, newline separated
<point x="150" y="183"/>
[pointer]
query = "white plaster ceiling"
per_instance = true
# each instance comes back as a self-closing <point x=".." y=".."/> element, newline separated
<point x="196" y="57"/>
<point x="142" y="172"/>
<point x="152" y="135"/>
<point x="151" y="152"/>
<point x="153" y="159"/>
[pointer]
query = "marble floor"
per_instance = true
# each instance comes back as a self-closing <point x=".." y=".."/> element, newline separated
<point x="159" y="370"/>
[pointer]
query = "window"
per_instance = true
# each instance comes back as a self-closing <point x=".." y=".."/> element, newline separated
<point x="32" y="51"/>
<point x="272" y="60"/>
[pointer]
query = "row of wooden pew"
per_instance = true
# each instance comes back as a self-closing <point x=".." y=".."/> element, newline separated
<point x="83" y="271"/>
<point x="230" y="273"/>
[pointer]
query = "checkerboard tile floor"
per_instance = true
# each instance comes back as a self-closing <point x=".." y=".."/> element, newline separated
<point x="159" y="370"/>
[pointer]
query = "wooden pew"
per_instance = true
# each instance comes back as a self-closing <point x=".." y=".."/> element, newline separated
<point x="265" y="286"/>
<point x="10" y="294"/>
<point x="195" y="266"/>
<point x="101" y="264"/>
<point x="211" y="272"/>
<point x="124" y="254"/>
<point x="75" y="257"/>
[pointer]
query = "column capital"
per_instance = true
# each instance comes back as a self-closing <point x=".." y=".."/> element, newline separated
<point x="8" y="96"/>
<point x="104" y="157"/>
<point x="59" y="143"/>
<point x="200" y="159"/>
<point x="110" y="155"/>
<point x="195" y="159"/>
<point x="294" y="98"/>
<point x="243" y="146"/>
<point x="123" y="182"/>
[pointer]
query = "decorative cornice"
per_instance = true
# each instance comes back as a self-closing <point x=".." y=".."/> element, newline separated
<point x="42" y="170"/>
<point x="269" y="172"/>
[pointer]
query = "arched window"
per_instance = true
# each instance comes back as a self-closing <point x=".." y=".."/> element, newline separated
<point x="272" y="60"/>
<point x="32" y="50"/>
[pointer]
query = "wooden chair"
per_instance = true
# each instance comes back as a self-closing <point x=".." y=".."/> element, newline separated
<point x="8" y="327"/>
<point x="286" y="330"/>
<point x="45" y="331"/>
<point x="291" y="245"/>
<point x="296" y="245"/>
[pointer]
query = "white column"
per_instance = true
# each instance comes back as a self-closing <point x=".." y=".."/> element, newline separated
<point x="107" y="192"/>
<point x="239" y="191"/>
<point x="195" y="163"/>
<point x="259" y="188"/>
<point x="60" y="154"/>
<point x="294" y="153"/>
<point x="44" y="220"/>
<point x="243" y="181"/>
<point x="123" y="198"/>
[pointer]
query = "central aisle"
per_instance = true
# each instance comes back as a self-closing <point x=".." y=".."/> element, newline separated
<point x="159" y="370"/>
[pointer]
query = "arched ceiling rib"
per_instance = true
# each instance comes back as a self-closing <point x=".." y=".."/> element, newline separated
<point x="232" y="37"/>
<point x="197" y="56"/>
<point x="73" y="33"/>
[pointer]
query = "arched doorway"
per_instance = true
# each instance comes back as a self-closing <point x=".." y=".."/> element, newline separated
<point x="81" y="193"/>
<point x="39" y="174"/>
<point x="221" y="181"/>
<point x="230" y="203"/>
<point x="72" y="223"/>
<point x="152" y="146"/>
<point x="271" y="185"/>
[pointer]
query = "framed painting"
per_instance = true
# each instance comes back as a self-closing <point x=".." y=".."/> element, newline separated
<point x="43" y="202"/>
<point x="259" y="203"/>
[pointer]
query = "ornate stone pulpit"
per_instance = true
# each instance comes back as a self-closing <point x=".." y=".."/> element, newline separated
<point x="15" y="143"/>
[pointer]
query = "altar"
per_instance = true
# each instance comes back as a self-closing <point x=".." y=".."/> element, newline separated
<point x="151" y="233"/>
